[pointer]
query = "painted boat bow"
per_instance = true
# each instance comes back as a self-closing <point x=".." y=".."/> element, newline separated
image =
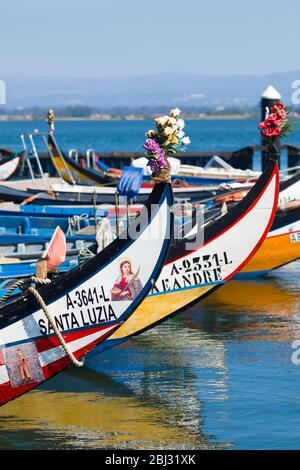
<point x="81" y="303"/>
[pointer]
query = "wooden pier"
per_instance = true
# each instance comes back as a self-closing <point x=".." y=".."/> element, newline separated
<point x="241" y="158"/>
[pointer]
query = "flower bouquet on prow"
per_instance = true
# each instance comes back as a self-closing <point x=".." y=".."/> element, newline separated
<point x="167" y="139"/>
<point x="277" y="124"/>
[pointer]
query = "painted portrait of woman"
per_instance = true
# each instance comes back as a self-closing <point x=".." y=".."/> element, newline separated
<point x="22" y="361"/>
<point x="127" y="285"/>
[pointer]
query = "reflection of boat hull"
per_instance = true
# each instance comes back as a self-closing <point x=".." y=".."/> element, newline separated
<point x="97" y="404"/>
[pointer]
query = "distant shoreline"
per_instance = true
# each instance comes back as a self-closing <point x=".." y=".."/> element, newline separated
<point x="105" y="118"/>
<point x="130" y="117"/>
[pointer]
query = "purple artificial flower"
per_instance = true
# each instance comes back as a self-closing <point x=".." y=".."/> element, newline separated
<point x="161" y="159"/>
<point x="158" y="159"/>
<point x="157" y="163"/>
<point x="154" y="165"/>
<point x="152" y="146"/>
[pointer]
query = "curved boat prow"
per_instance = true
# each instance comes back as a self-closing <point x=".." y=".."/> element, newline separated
<point x="8" y="168"/>
<point x="87" y="304"/>
<point x="71" y="171"/>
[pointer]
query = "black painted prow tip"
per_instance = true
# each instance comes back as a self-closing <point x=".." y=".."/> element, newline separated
<point x="272" y="152"/>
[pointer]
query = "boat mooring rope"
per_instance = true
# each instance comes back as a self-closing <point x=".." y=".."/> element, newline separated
<point x="9" y="291"/>
<point x="43" y="306"/>
<point x="64" y="345"/>
<point x="74" y="222"/>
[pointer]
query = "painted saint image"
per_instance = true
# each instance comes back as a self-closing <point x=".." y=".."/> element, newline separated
<point x="22" y="361"/>
<point x="127" y="285"/>
<point x="23" y="365"/>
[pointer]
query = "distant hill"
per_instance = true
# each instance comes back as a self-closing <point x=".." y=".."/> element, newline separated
<point x="190" y="91"/>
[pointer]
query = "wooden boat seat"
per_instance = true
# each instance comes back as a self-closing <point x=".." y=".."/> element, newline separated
<point x="289" y="206"/>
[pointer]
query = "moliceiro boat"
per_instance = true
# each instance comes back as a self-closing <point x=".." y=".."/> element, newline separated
<point x="223" y="249"/>
<point x="32" y="247"/>
<point x="71" y="172"/>
<point x="215" y="171"/>
<point x="281" y="246"/>
<point x="8" y="166"/>
<point x="51" y="326"/>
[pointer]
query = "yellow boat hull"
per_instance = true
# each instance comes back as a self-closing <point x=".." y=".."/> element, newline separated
<point x="275" y="251"/>
<point x="156" y="308"/>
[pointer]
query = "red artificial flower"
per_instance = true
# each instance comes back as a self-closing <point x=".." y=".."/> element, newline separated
<point x="278" y="105"/>
<point x="277" y="124"/>
<point x="281" y="113"/>
<point x="272" y="132"/>
<point x="271" y="127"/>
<point x="274" y="119"/>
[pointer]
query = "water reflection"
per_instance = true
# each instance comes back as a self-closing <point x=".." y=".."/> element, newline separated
<point x="265" y="309"/>
<point x="180" y="385"/>
<point x="141" y="395"/>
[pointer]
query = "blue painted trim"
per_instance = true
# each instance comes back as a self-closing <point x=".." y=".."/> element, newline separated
<point x="243" y="276"/>
<point x="187" y="288"/>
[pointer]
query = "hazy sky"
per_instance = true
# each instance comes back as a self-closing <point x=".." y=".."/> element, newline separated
<point x="127" y="37"/>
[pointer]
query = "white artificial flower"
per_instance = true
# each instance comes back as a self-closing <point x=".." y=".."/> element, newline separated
<point x="180" y="134"/>
<point x="171" y="121"/>
<point x="186" y="140"/>
<point x="161" y="121"/>
<point x="151" y="133"/>
<point x="175" y="112"/>
<point x="168" y="131"/>
<point x="180" y="123"/>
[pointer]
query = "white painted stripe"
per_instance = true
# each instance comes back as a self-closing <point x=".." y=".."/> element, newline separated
<point x="46" y="357"/>
<point x="287" y="229"/>
<point x="3" y="375"/>
<point x="51" y="355"/>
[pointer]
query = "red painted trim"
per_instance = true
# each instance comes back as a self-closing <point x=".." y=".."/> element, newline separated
<point x="281" y="234"/>
<point x="44" y="344"/>
<point x="7" y="392"/>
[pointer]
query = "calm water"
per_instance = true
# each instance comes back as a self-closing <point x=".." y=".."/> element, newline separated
<point x="219" y="375"/>
<point x="129" y="135"/>
<point x="108" y="136"/>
